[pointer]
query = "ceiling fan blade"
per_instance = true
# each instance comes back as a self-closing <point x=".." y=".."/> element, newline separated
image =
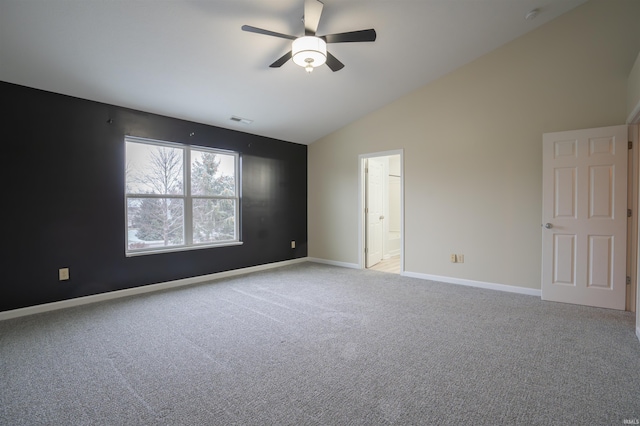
<point x="333" y="63"/>
<point x="312" y="13"/>
<point x="251" y="29"/>
<point x="280" y="62"/>
<point x="351" y="36"/>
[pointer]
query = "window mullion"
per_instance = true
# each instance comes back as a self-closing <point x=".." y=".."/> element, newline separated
<point x="238" y="186"/>
<point x="188" y="203"/>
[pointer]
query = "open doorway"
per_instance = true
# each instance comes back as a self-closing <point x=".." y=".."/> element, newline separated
<point x="381" y="217"/>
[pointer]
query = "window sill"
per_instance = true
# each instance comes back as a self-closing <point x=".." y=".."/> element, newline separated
<point x="181" y="248"/>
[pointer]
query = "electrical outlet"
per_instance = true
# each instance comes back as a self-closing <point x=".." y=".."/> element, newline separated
<point x="453" y="258"/>
<point x="63" y="274"/>
<point x="293" y="244"/>
<point x="460" y="258"/>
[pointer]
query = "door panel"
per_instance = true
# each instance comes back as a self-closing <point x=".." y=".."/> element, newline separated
<point x="374" y="199"/>
<point x="565" y="192"/>
<point x="600" y="261"/>
<point x="564" y="260"/>
<point x="584" y="213"/>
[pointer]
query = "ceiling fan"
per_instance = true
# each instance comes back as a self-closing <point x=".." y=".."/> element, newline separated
<point x="310" y="51"/>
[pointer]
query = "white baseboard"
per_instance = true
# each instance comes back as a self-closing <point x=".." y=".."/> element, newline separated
<point x="448" y="280"/>
<point x="30" y="310"/>
<point x="333" y="263"/>
<point x="472" y="283"/>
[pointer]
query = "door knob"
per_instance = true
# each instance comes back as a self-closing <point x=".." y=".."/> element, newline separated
<point x="548" y="225"/>
<point x="381" y="217"/>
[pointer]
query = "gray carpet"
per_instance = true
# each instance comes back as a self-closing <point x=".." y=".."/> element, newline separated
<point x="312" y="344"/>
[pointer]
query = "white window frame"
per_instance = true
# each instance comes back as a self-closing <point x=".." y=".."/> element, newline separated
<point x="187" y="198"/>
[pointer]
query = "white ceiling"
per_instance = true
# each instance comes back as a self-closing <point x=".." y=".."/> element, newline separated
<point x="189" y="59"/>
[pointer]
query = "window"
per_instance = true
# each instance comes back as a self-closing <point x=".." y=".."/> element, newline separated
<point x="179" y="197"/>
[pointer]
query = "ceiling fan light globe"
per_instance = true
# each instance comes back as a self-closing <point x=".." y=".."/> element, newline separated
<point x="309" y="51"/>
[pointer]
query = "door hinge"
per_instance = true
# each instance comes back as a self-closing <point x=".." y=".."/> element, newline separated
<point x="629" y="212"/>
<point x="630" y="145"/>
<point x="628" y="280"/>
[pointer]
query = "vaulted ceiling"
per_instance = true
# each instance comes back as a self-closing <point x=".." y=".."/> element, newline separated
<point x="190" y="59"/>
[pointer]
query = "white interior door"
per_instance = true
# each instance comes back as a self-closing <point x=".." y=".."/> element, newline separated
<point x="584" y="217"/>
<point x="374" y="211"/>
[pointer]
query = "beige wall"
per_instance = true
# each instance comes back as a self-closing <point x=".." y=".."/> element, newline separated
<point x="472" y="147"/>
<point x="633" y="92"/>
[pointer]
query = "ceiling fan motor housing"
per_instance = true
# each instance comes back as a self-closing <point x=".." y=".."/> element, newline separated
<point x="309" y="51"/>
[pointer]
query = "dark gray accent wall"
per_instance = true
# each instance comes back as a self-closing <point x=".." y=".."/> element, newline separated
<point x="63" y="198"/>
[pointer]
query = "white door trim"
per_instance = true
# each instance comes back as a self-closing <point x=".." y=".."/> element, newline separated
<point x="634" y="132"/>
<point x="632" y="232"/>
<point x="361" y="204"/>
